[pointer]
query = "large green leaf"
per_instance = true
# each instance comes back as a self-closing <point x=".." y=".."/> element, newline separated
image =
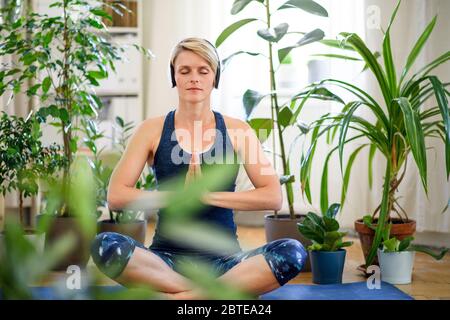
<point x="231" y="29"/>
<point x="305" y="5"/>
<point x="430" y="252"/>
<point x="308" y="38"/>
<point x="404" y="244"/>
<point x="324" y="185"/>
<point x="364" y="96"/>
<point x="330" y="224"/>
<point x="284" y="117"/>
<point x="416" y="138"/>
<point x="324" y="179"/>
<point x="318" y="92"/>
<point x="442" y="101"/>
<point x="312" y="227"/>
<point x="335" y="56"/>
<point x="334" y="43"/>
<point x="333" y="210"/>
<point x="417" y="48"/>
<point x="387" y="55"/>
<point x="332" y="239"/>
<point x="359" y="45"/>
<point x="262" y="127"/>
<point x="239" y="5"/>
<point x="348" y="171"/>
<point x="251" y="99"/>
<point x="274" y="35"/>
<point x="384" y="212"/>
<point x="372" y="150"/>
<point x="352" y="106"/>
<point x="227" y="60"/>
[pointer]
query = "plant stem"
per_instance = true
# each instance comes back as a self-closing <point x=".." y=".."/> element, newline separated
<point x="67" y="132"/>
<point x="21" y="207"/>
<point x="275" y="106"/>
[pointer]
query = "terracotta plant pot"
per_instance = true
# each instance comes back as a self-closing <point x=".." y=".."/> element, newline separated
<point x="399" y="230"/>
<point x="135" y="229"/>
<point x="284" y="227"/>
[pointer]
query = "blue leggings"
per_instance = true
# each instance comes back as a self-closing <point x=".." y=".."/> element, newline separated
<point x="111" y="252"/>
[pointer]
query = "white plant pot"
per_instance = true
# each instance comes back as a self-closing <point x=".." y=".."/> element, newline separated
<point x="396" y="267"/>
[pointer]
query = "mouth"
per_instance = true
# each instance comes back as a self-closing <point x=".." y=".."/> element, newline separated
<point x="194" y="89"/>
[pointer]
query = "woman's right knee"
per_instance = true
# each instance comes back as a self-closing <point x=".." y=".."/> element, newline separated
<point x="111" y="252"/>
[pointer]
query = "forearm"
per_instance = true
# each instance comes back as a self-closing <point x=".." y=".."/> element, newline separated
<point x="256" y="199"/>
<point x="136" y="199"/>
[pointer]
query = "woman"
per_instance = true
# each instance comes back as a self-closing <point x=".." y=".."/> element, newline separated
<point x="171" y="146"/>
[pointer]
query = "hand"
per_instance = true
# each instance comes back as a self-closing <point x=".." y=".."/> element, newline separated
<point x="194" y="171"/>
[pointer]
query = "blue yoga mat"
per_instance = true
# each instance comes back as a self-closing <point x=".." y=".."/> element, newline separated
<point x="346" y="291"/>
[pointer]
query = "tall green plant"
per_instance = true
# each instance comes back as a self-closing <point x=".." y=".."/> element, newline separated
<point x="65" y="60"/>
<point x="23" y="158"/>
<point x="401" y="127"/>
<point x="282" y="115"/>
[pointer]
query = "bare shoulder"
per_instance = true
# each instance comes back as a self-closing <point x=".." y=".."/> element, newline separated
<point x="239" y="132"/>
<point x="149" y="132"/>
<point x="152" y="124"/>
<point x="235" y="123"/>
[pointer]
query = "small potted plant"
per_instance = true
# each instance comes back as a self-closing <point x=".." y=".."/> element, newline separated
<point x="23" y="162"/>
<point x="127" y="222"/>
<point x="326" y="253"/>
<point x="396" y="257"/>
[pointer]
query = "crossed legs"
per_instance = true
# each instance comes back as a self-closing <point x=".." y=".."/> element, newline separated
<point x="256" y="271"/>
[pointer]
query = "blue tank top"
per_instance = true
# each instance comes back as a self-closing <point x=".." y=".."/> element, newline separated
<point x="170" y="161"/>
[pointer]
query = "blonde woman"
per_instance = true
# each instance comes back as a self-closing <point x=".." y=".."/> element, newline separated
<point x="172" y="146"/>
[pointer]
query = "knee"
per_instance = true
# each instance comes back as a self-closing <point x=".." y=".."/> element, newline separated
<point x="287" y="256"/>
<point x="111" y="251"/>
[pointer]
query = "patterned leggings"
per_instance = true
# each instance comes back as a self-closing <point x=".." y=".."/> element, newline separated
<point x="286" y="257"/>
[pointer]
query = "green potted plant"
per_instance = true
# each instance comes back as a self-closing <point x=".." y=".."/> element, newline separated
<point x="283" y="115"/>
<point x="65" y="60"/>
<point x="396" y="257"/>
<point x="23" y="162"/>
<point x="128" y="222"/>
<point x="326" y="252"/>
<point x="398" y="132"/>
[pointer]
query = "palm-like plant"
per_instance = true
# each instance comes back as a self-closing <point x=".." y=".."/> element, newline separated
<point x="400" y="128"/>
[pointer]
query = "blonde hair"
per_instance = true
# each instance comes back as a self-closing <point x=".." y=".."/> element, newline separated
<point x="200" y="46"/>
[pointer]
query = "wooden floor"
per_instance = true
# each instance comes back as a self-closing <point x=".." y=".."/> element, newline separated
<point x="431" y="279"/>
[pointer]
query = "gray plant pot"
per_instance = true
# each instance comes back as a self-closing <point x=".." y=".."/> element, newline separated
<point x="285" y="227"/>
<point x="396" y="267"/>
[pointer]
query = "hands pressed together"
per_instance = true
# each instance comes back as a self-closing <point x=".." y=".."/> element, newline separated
<point x="195" y="172"/>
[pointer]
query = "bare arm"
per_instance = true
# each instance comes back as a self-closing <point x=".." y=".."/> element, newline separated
<point x="267" y="193"/>
<point x="122" y="192"/>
